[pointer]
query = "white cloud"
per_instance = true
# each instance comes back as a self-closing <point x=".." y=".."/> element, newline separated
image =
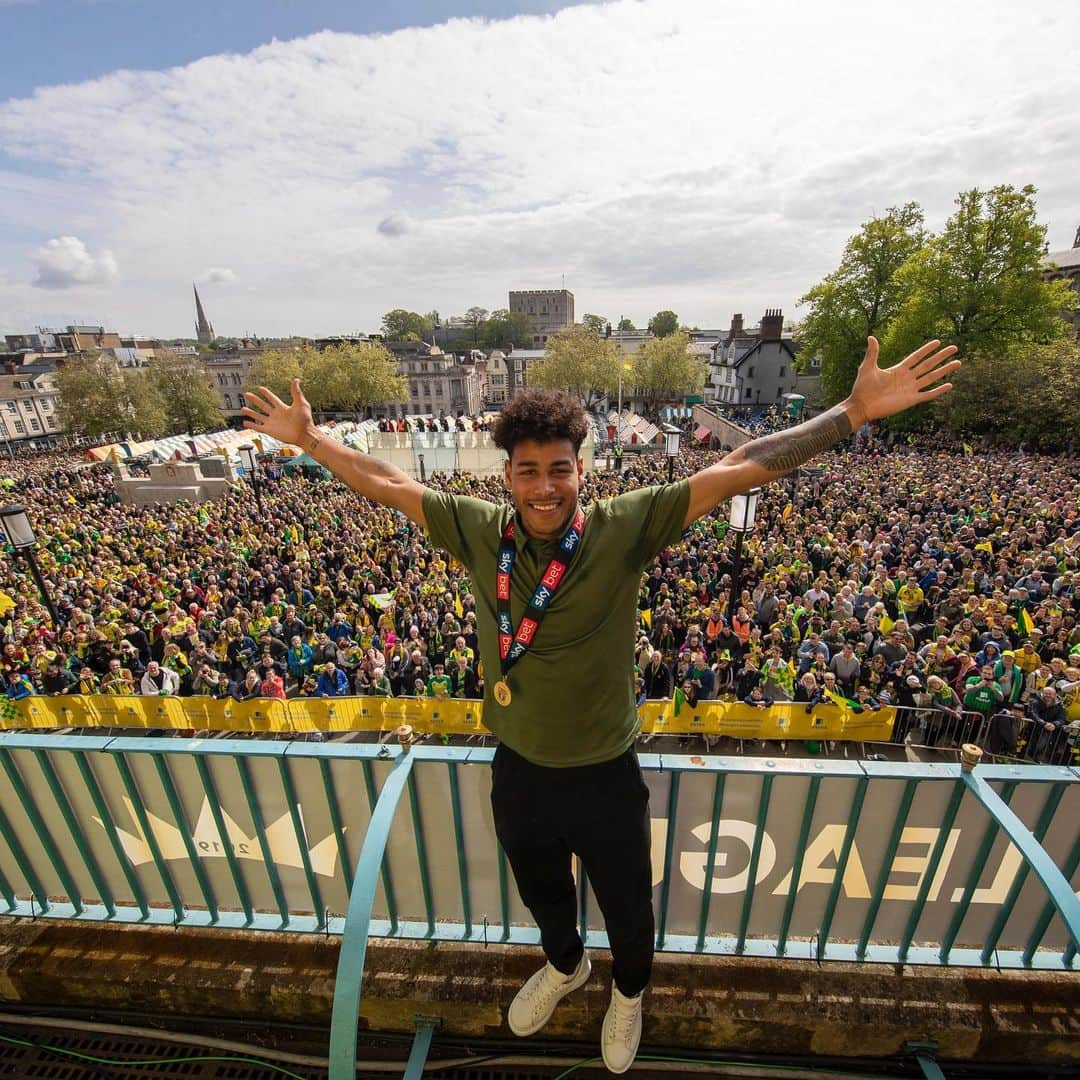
<point x="394" y="225"/>
<point x="669" y="153"/>
<point x="65" y="263"/>
<point x="219" y="275"/>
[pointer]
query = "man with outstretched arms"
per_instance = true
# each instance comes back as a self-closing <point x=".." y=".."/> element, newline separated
<point x="556" y="589"/>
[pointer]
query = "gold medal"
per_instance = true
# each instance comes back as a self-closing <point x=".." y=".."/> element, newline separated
<point x="502" y="693"/>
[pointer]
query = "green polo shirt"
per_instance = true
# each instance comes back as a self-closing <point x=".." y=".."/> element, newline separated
<point x="573" y="694"/>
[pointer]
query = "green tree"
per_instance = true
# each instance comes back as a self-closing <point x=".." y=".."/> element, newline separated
<point x="505" y="328"/>
<point x="860" y="297"/>
<point x="626" y="323"/>
<point x="979" y="284"/>
<point x="187" y="396"/>
<point x="352" y="377"/>
<point x="402" y="325"/>
<point x="475" y="318"/>
<point x="98" y="397"/>
<point x="275" y="369"/>
<point x="581" y="361"/>
<point x="664" y="324"/>
<point x="1029" y="395"/>
<point x="664" y="370"/>
<point x="596" y="323"/>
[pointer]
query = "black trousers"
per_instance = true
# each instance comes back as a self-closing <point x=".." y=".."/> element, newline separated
<point x="543" y="816"/>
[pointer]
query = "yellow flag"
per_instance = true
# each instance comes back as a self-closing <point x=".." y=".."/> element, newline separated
<point x="6" y="603"/>
<point x="967" y="449"/>
<point x="787" y="511"/>
<point x="1025" y="620"/>
<point x="885" y="624"/>
<point x="459" y="608"/>
<point x="646" y="618"/>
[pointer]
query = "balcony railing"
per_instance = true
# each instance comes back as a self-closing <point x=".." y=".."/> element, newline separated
<point x="823" y="860"/>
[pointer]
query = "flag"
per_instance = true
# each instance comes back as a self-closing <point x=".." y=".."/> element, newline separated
<point x="459" y="608"/>
<point x="885" y="624"/>
<point x="6" y="603"/>
<point x="646" y="618"/>
<point x="680" y="700"/>
<point x="839" y="699"/>
<point x="382" y="600"/>
<point x="787" y="511"/>
<point x="967" y="449"/>
<point x="986" y="546"/>
<point x="1027" y="624"/>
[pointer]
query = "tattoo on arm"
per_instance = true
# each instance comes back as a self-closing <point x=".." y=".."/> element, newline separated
<point x="314" y="443"/>
<point x="787" y="450"/>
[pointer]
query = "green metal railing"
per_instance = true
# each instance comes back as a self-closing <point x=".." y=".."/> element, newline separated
<point x="792" y="859"/>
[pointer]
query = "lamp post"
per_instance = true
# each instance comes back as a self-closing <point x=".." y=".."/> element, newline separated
<point x="423" y="471"/>
<point x="741" y="519"/>
<point x="20" y="535"/>
<point x="249" y="460"/>
<point x="672" y="435"/>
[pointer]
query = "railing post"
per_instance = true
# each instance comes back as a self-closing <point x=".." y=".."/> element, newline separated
<point x="1034" y="854"/>
<point x="350" y="969"/>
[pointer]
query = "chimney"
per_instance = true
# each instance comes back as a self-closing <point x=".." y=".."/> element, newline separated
<point x="1076" y="241"/>
<point x="736" y="328"/>
<point x="772" y="324"/>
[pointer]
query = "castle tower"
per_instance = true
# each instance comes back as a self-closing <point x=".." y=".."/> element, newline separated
<point x="203" y="330"/>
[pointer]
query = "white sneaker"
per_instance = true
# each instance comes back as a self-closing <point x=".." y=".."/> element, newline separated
<point x="621" y="1032"/>
<point x="531" y="1009"/>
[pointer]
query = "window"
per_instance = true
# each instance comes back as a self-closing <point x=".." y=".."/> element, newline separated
<point x="415" y="390"/>
<point x="815" y="363"/>
<point x="34" y="425"/>
<point x="236" y="380"/>
<point x="228" y="401"/>
<point x="12" y="407"/>
<point x="749" y="392"/>
<point x="750" y="373"/>
<point x="19" y="427"/>
<point x="52" y="421"/>
<point x="45" y="405"/>
<point x="783" y="370"/>
<point x="438" y="389"/>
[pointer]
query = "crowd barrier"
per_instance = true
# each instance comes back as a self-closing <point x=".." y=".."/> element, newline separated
<point x="429" y="716"/>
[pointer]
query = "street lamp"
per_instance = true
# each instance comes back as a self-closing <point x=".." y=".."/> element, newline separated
<point x="741" y="519"/>
<point x="423" y="473"/>
<point x="20" y="535"/>
<point x="671" y="447"/>
<point x="249" y="460"/>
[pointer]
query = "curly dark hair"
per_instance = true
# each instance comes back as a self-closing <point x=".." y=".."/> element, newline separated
<point x="542" y="415"/>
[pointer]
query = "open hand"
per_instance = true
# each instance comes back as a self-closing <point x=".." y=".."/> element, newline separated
<point x="267" y="413"/>
<point x="880" y="392"/>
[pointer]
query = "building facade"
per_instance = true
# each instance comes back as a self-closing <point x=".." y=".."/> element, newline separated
<point x="29" y="400"/>
<point x="438" y="383"/>
<point x="548" y="310"/>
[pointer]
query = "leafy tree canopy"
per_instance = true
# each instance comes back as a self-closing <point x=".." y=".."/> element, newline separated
<point x="581" y="361"/>
<point x="664" y="324"/>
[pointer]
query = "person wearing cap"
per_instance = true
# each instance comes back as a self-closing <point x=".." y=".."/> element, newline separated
<point x="1009" y="676"/>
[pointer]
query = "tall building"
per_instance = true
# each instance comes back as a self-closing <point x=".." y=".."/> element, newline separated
<point x="549" y="311"/>
<point x="203" y="330"/>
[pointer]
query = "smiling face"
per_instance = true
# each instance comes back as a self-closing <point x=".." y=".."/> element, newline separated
<point x="544" y="479"/>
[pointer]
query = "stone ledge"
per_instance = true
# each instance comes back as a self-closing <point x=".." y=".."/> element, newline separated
<point x="709" y="1003"/>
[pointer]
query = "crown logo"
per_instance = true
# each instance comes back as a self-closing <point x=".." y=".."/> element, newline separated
<point x="280" y="839"/>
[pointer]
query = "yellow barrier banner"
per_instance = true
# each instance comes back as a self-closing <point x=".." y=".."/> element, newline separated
<point x="427" y="716"/>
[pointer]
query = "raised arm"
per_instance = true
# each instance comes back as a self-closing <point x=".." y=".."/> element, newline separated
<point x="877" y="393"/>
<point x="294" y="424"/>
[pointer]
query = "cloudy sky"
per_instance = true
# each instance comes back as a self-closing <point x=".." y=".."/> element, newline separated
<point x="313" y="164"/>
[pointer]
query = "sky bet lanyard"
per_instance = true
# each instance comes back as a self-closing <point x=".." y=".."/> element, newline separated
<point x="513" y="646"/>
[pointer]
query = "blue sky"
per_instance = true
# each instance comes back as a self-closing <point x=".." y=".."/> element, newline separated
<point x="312" y="165"/>
<point x="56" y="41"/>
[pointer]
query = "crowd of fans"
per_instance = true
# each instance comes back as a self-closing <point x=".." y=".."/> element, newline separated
<point x="941" y="582"/>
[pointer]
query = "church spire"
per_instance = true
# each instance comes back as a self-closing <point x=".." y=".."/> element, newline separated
<point x="203" y="330"/>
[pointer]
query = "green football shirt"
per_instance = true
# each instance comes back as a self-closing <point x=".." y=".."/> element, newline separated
<point x="573" y="693"/>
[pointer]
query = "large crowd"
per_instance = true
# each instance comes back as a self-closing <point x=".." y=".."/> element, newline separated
<point x="918" y="576"/>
